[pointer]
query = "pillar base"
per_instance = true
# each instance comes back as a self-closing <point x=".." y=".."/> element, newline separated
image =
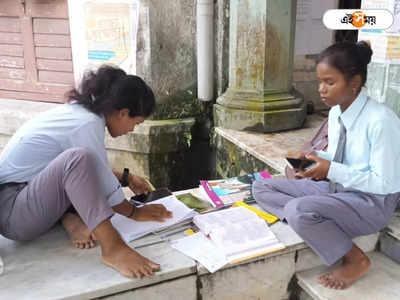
<point x="261" y="113"/>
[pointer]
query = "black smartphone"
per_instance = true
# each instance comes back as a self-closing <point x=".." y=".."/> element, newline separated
<point x="154" y="195"/>
<point x="299" y="163"/>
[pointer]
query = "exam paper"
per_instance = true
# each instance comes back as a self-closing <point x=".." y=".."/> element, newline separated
<point x="200" y="248"/>
<point x="130" y="229"/>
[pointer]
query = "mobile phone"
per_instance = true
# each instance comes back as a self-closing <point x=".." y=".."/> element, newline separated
<point x="299" y="163"/>
<point x="154" y="195"/>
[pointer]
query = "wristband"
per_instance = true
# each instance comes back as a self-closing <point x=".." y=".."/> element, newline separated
<point x="133" y="212"/>
<point x="124" y="180"/>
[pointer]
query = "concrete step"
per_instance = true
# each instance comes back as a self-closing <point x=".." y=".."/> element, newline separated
<point x="382" y="282"/>
<point x="390" y="239"/>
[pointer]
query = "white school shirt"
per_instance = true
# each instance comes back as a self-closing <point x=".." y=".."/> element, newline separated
<point x="43" y="138"/>
<point x="372" y="153"/>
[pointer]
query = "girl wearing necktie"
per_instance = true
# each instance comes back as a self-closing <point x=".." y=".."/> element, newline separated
<point x="352" y="189"/>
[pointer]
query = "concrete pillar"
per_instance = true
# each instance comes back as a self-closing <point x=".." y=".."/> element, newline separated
<point x="383" y="82"/>
<point x="260" y="96"/>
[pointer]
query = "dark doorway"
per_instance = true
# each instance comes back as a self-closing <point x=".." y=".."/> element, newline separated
<point x="347" y="35"/>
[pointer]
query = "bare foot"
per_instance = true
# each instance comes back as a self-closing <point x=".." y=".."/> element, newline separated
<point x="355" y="264"/>
<point x="130" y="263"/>
<point x="78" y="232"/>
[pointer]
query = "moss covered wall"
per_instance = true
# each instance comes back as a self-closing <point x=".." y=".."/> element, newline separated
<point x="233" y="161"/>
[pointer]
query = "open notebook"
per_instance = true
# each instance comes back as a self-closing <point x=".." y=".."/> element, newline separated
<point x="130" y="229"/>
<point x="228" y="236"/>
<point x="239" y="233"/>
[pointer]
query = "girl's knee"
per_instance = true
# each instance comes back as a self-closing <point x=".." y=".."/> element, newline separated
<point x="260" y="187"/>
<point x="296" y="217"/>
<point x="259" y="190"/>
<point x="79" y="154"/>
<point x="264" y="192"/>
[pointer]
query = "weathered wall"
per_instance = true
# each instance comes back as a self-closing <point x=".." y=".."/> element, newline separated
<point x="233" y="161"/>
<point x="305" y="80"/>
<point x="166" y="55"/>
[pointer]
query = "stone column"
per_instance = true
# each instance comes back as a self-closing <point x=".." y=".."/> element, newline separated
<point x="260" y="96"/>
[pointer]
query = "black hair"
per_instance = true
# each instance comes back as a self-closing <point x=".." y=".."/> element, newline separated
<point x="110" y="89"/>
<point x="349" y="58"/>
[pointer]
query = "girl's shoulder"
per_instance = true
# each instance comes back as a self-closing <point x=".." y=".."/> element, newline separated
<point x="380" y="111"/>
<point x="67" y="117"/>
<point x="380" y="117"/>
<point x="78" y="112"/>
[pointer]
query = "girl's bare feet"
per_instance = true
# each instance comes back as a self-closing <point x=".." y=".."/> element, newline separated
<point x="118" y="255"/>
<point x="130" y="263"/>
<point x="355" y="264"/>
<point x="78" y="232"/>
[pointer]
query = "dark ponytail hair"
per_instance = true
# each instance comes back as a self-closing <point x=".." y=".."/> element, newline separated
<point x="349" y="58"/>
<point x="109" y="89"/>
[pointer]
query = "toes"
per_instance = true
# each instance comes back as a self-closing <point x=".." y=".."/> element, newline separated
<point x="335" y="285"/>
<point x="147" y="271"/>
<point x="324" y="279"/>
<point x="341" y="285"/>
<point x="93" y="237"/>
<point x="152" y="265"/>
<point x="137" y="274"/>
<point x="84" y="244"/>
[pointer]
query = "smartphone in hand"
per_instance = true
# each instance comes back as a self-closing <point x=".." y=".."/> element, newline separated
<point x="299" y="163"/>
<point x="154" y="195"/>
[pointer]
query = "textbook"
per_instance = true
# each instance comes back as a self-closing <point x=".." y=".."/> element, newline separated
<point x="130" y="229"/>
<point x="238" y="233"/>
<point x="191" y="200"/>
<point x="227" y="191"/>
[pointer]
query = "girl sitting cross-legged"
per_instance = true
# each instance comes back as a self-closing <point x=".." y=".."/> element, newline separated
<point x="353" y="188"/>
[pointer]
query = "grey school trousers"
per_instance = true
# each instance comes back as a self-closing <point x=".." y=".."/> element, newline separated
<point x="29" y="210"/>
<point x="327" y="222"/>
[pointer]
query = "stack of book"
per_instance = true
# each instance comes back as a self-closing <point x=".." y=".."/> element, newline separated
<point x="222" y="192"/>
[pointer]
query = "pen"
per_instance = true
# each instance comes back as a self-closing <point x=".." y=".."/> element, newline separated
<point x="152" y="243"/>
<point x="217" y="208"/>
<point x="175" y="232"/>
<point x="171" y="227"/>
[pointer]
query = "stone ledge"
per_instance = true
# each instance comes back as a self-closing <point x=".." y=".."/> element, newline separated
<point x="394" y="226"/>
<point x="50" y="268"/>
<point x="271" y="148"/>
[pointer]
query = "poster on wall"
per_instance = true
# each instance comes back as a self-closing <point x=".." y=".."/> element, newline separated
<point x="103" y="32"/>
<point x="385" y="43"/>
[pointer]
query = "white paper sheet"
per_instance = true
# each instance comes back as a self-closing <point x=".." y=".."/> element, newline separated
<point x="131" y="229"/>
<point x="200" y="248"/>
